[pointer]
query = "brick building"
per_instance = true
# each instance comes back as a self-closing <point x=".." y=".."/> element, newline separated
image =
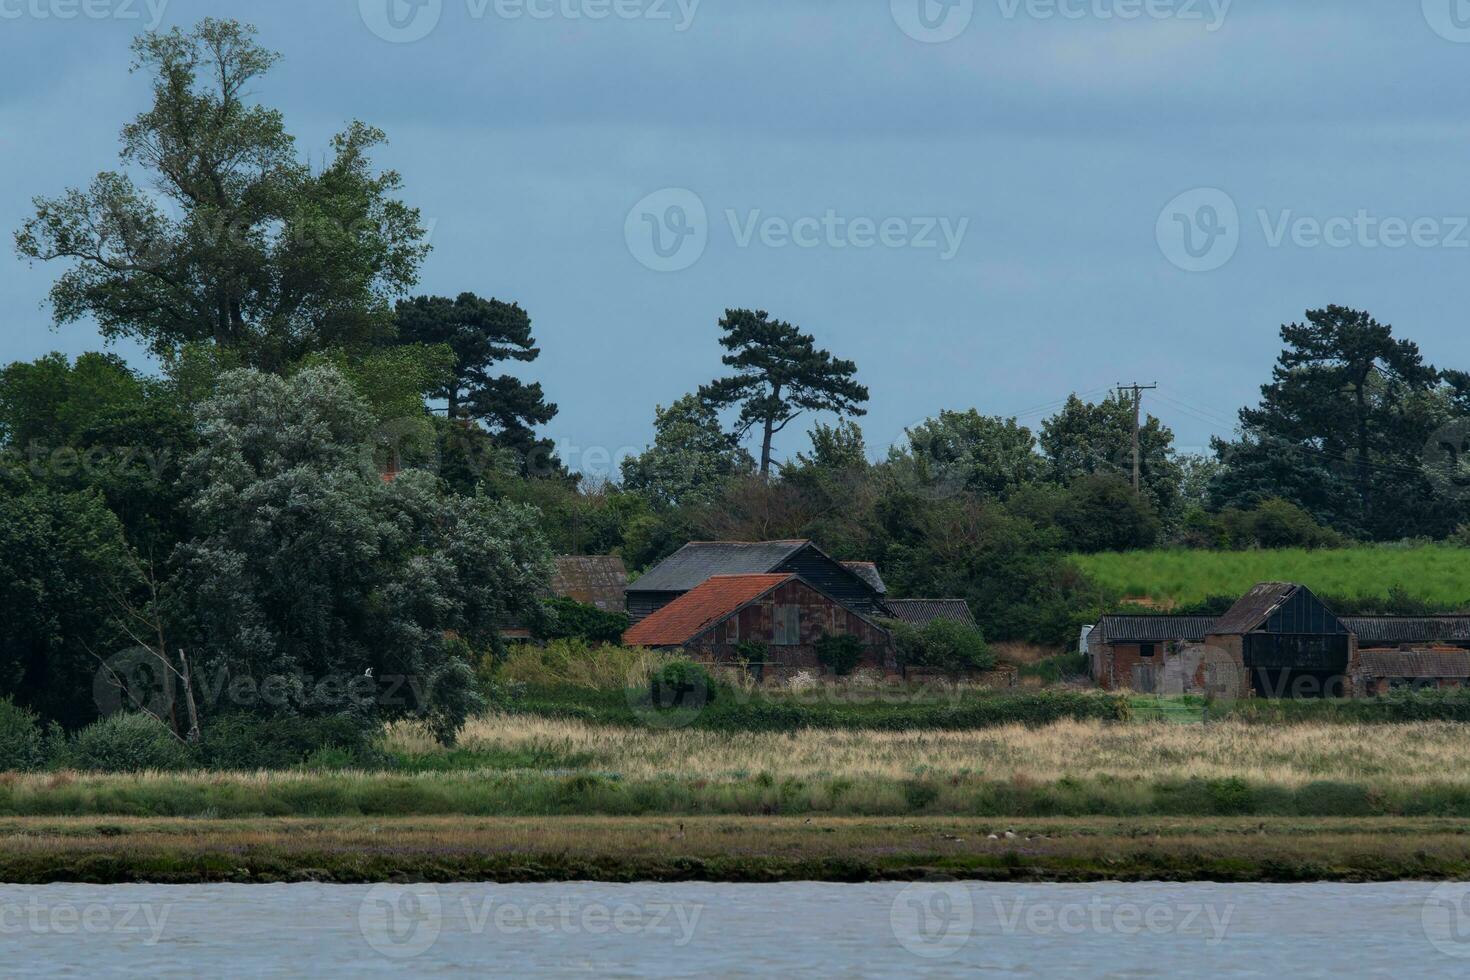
<point x="781" y="617"/>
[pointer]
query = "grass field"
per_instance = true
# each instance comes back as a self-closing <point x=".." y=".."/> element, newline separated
<point x="528" y="798"/>
<point x="751" y="849"/>
<point x="1437" y="574"/>
<point x="518" y="766"/>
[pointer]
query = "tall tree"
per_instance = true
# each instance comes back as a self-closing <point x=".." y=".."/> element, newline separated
<point x="967" y="451"/>
<point x="482" y="333"/>
<point x="240" y="242"/>
<point x="1085" y="438"/>
<point x="691" y="457"/>
<point x="780" y="374"/>
<point x="1358" y="404"/>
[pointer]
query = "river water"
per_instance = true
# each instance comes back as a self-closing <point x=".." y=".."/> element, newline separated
<point x="935" y="929"/>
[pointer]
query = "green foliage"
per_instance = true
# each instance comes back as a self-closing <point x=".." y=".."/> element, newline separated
<point x="682" y="685"/>
<point x="839" y="653"/>
<point x="942" y="645"/>
<point x="258" y="249"/>
<point x="304" y="562"/>
<point x="64" y="566"/>
<point x="1344" y="431"/>
<point x="480" y="334"/>
<point x="691" y="457"/>
<point x="986" y="455"/>
<point x="570" y="619"/>
<point x="124" y="743"/>
<point x="243" y="742"/>
<point x="1102" y="513"/>
<point x="22" y="746"/>
<point x="779" y="374"/>
<point x="1085" y="439"/>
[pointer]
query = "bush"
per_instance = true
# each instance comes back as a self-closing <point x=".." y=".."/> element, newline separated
<point x="22" y="748"/>
<point x="569" y="619"/>
<point x="682" y="684"/>
<point x="125" y="743"/>
<point x="955" y="647"/>
<point x="839" y="654"/>
<point x="943" y="645"/>
<point x="247" y="742"/>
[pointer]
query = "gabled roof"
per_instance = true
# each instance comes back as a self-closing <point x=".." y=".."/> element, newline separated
<point x="594" y="580"/>
<point x="698" y="561"/>
<point x="868" y="572"/>
<point x="1414" y="663"/>
<point x="922" y="612"/>
<point x="1374" y="630"/>
<point x="1154" y="629"/>
<point x="700" y="608"/>
<point x="1254" y="608"/>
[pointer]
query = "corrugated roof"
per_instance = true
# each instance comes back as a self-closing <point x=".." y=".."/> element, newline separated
<point x="1414" y="663"/>
<point x="1154" y="629"/>
<point x="1254" y="608"/>
<point x="700" y="608"/>
<point x="922" y="612"/>
<point x="697" y="561"/>
<point x="1409" y="629"/>
<point x="868" y="572"/>
<point x="595" y="580"/>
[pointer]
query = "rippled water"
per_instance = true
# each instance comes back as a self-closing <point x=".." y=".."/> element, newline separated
<point x="939" y="929"/>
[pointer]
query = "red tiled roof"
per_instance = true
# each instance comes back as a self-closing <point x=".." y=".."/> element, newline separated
<point x="700" y="608"/>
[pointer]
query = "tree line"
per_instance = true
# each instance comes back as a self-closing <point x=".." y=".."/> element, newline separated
<point x="332" y="478"/>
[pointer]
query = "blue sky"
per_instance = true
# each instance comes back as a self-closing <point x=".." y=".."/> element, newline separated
<point x="991" y="220"/>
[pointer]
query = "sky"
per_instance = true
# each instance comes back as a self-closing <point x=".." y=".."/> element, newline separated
<point x="986" y="204"/>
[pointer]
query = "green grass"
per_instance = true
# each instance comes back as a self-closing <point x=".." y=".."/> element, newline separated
<point x="734" y="849"/>
<point x="1436" y="574"/>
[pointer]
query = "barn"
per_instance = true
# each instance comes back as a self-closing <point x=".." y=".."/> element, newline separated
<point x="778" y="617"/>
<point x="857" y="586"/>
<point x="1279" y="640"/>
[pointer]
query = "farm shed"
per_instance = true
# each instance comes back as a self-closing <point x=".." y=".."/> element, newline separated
<point x="1152" y="654"/>
<point x="1375" y="672"/>
<point x="698" y="561"/>
<point x="1290" y="644"/>
<point x="781" y="612"/>
<point x="922" y="612"/>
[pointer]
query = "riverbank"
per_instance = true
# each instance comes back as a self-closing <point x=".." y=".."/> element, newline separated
<point x="751" y="849"/>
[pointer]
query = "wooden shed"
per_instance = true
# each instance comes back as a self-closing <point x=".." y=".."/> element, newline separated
<point x="721" y="620"/>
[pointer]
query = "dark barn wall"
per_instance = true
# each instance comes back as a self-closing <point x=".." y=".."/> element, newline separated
<point x="641" y="605"/>
<point x="832" y="578"/>
<point x="817" y="616"/>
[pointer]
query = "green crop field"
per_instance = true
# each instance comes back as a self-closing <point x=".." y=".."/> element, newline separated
<point x="1436" y="574"/>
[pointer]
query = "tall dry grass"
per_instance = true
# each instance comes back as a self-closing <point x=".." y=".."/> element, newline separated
<point x="1423" y="753"/>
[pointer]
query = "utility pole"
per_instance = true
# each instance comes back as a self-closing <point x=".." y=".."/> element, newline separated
<point x="1137" y="390"/>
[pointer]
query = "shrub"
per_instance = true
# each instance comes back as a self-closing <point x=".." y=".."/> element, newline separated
<point x="125" y="743"/>
<point x="840" y="653"/>
<point x="682" y="684"/>
<point x="942" y="645"/>
<point x="246" y="742"/>
<point x="22" y="747"/>
<point x="569" y="619"/>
